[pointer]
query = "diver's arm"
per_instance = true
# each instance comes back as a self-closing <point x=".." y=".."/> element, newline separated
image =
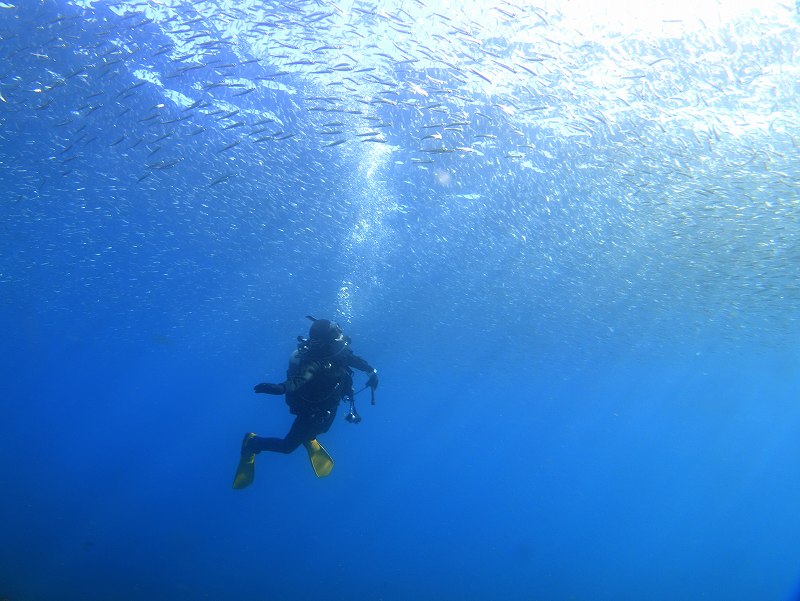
<point x="267" y="388"/>
<point x="295" y="378"/>
<point x="362" y="365"/>
<point x="292" y="383"/>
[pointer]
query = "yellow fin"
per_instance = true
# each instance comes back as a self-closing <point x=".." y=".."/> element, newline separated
<point x="246" y="470"/>
<point x="320" y="460"/>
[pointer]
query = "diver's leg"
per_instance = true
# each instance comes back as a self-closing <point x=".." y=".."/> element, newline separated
<point x="302" y="429"/>
<point x="324" y="425"/>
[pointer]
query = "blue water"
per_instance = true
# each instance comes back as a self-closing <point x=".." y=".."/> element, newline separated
<point x="581" y="293"/>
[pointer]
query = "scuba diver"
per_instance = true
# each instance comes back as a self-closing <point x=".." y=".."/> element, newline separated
<point x="318" y="377"/>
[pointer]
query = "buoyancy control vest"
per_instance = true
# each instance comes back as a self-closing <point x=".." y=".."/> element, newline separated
<point x="316" y="383"/>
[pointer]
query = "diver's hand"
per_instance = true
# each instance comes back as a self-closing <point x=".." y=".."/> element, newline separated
<point x="267" y="388"/>
<point x="372" y="382"/>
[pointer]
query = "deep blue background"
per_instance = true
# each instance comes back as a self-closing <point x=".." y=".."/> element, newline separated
<point x="675" y="477"/>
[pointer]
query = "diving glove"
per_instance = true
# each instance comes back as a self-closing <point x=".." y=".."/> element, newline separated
<point x="267" y="388"/>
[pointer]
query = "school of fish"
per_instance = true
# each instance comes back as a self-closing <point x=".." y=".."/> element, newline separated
<point x="565" y="166"/>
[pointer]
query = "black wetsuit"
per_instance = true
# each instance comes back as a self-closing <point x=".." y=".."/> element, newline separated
<point x="314" y="386"/>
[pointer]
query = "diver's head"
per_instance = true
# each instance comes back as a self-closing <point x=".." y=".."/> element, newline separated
<point x="324" y="331"/>
<point x="327" y="337"/>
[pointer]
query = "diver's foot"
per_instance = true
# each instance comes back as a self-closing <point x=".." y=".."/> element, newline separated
<point x="248" y="444"/>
